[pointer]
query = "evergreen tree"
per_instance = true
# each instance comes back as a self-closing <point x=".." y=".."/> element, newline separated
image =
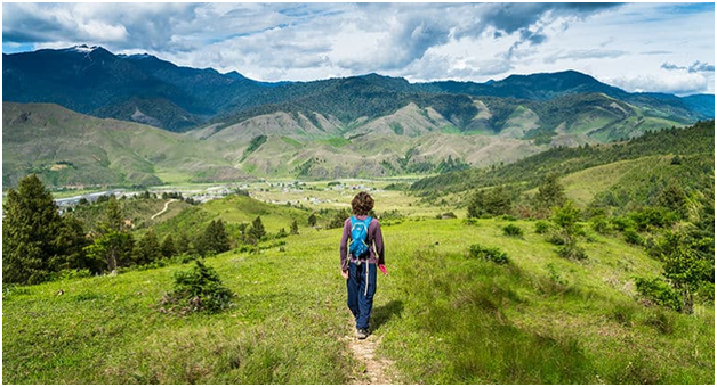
<point x="182" y="245"/>
<point x="112" y="248"/>
<point x="294" y="227"/>
<point x="72" y="240"/>
<point x="497" y="201"/>
<point x="115" y="245"/>
<point x="476" y="207"/>
<point x="256" y="232"/>
<point x="29" y="233"/>
<point x="312" y="220"/>
<point x="551" y="193"/>
<point x="149" y="249"/>
<point x="168" y="249"/>
<point x="216" y="238"/>
<point x="673" y="197"/>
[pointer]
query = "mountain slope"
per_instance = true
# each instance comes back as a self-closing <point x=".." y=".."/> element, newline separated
<point x="69" y="149"/>
<point x="146" y="89"/>
<point x="695" y="142"/>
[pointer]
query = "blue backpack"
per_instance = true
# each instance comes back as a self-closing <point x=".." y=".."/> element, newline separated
<point x="359" y="237"/>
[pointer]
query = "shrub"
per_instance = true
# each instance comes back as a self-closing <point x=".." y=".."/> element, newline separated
<point x="633" y="238"/>
<point x="706" y="293"/>
<point x="600" y="224"/>
<point x="556" y="239"/>
<point x="486" y="216"/>
<point x="185" y="258"/>
<point x="488" y="254"/>
<point x="69" y="274"/>
<point x="197" y="290"/>
<point x="541" y="227"/>
<point x="659" y="292"/>
<point x="512" y="231"/>
<point x="572" y="252"/>
<point x="623" y="223"/>
<point x="509" y="218"/>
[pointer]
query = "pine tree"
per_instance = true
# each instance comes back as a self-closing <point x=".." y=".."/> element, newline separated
<point x="256" y="232"/>
<point x="216" y="238"/>
<point x="115" y="245"/>
<point x="551" y="193"/>
<point x="476" y="207"/>
<point x="182" y="245"/>
<point x="168" y="248"/>
<point x="29" y="233"/>
<point x="150" y="248"/>
<point x="312" y="220"/>
<point x="294" y="227"/>
<point x="72" y="240"/>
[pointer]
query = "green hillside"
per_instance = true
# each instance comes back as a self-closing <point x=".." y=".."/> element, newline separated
<point x="68" y="149"/>
<point x="692" y="150"/>
<point x="138" y="212"/>
<point x="439" y="317"/>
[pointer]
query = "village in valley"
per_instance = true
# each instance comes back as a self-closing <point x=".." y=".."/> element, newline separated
<point x="333" y="194"/>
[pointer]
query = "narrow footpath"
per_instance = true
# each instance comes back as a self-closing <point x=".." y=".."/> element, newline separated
<point x="377" y="371"/>
<point x="166" y="206"/>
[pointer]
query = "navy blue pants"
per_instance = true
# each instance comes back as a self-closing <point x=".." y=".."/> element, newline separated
<point x="361" y="286"/>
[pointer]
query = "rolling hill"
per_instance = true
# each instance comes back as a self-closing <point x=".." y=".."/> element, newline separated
<point x="625" y="175"/>
<point x="72" y="150"/>
<point x="234" y="127"/>
<point x="146" y="89"/>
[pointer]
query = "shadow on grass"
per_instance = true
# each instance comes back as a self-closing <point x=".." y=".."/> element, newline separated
<point x="381" y="314"/>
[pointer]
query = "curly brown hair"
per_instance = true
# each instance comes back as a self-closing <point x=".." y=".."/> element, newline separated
<point x="362" y="203"/>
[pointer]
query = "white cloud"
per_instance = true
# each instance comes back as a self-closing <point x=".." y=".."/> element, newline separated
<point x="421" y="41"/>
<point x="665" y="81"/>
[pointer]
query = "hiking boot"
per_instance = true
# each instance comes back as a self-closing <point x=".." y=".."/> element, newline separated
<point x="362" y="333"/>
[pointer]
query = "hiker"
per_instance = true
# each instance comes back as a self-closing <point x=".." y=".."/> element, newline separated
<point x="359" y="266"/>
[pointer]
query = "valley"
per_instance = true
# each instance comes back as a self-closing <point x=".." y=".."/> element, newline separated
<point x="176" y="225"/>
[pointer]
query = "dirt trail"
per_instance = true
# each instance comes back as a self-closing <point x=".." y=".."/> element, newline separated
<point x="377" y="370"/>
<point x="166" y="205"/>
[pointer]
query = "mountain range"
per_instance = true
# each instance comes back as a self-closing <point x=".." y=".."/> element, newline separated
<point x="341" y="127"/>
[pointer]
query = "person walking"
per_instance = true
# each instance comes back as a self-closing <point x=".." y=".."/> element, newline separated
<point x="360" y="260"/>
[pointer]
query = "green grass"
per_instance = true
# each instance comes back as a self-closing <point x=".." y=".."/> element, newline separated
<point x="291" y="142"/>
<point x="336" y="142"/>
<point x="444" y="318"/>
<point x="450" y="129"/>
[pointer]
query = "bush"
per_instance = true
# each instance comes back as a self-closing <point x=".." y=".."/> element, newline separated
<point x="600" y="224"/>
<point x="185" y="258"/>
<point x="509" y="218"/>
<point x="541" y="227"/>
<point x="623" y="223"/>
<point x="572" y="252"/>
<point x="488" y="254"/>
<point x="512" y="231"/>
<point x="706" y="293"/>
<point x="69" y="274"/>
<point x="486" y="216"/>
<point x="197" y="290"/>
<point x="659" y="292"/>
<point x="556" y="239"/>
<point x="633" y="238"/>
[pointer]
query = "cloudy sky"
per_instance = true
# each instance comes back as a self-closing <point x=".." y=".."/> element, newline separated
<point x="667" y="47"/>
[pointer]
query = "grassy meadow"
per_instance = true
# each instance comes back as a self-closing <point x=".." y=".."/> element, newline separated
<point x="442" y="316"/>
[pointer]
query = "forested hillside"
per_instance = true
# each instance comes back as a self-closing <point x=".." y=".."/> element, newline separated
<point x="146" y="89"/>
<point x="694" y="141"/>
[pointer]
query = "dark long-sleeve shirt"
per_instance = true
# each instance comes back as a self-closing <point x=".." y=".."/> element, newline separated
<point x="375" y="238"/>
